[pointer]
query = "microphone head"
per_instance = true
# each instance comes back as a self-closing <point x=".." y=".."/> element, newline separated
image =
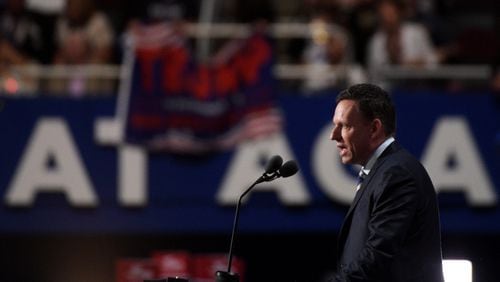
<point x="288" y="169"/>
<point x="274" y="164"/>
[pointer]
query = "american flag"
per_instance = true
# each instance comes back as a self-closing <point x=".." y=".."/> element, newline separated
<point x="180" y="105"/>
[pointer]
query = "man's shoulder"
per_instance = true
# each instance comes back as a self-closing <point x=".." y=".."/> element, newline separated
<point x="397" y="156"/>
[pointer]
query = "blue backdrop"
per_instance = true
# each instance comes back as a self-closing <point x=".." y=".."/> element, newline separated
<point x="181" y="191"/>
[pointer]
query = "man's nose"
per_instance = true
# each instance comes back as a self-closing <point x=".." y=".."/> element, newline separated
<point x="334" y="134"/>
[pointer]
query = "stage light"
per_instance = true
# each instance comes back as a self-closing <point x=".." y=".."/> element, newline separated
<point x="455" y="270"/>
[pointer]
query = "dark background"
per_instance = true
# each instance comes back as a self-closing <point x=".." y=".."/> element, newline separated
<point x="269" y="257"/>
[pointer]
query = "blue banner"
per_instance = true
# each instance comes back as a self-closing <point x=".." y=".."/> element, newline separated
<point x="64" y="170"/>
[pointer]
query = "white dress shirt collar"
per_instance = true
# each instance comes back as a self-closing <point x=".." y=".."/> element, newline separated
<point x="381" y="148"/>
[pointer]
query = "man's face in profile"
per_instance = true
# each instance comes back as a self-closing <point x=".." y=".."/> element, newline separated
<point x="352" y="132"/>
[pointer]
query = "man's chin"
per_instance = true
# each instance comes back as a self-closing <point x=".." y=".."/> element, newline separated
<point x="346" y="160"/>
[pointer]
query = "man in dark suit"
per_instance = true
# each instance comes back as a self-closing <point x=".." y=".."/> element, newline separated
<point x="391" y="232"/>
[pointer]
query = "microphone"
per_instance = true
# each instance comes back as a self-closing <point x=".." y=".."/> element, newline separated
<point x="288" y="169"/>
<point x="274" y="164"/>
<point x="274" y="169"/>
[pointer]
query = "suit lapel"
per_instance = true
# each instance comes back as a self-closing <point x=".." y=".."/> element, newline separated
<point x="346" y="225"/>
<point x="344" y="230"/>
<point x="373" y="171"/>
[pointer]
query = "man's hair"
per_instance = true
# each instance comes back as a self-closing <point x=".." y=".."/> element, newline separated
<point x="373" y="102"/>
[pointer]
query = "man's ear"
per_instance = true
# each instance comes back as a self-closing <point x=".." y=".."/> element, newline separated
<point x="377" y="128"/>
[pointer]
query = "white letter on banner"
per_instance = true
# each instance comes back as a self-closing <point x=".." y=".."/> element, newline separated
<point x="132" y="162"/>
<point x="51" y="141"/>
<point x="452" y="139"/>
<point x="247" y="166"/>
<point x="132" y="176"/>
<point x="329" y="171"/>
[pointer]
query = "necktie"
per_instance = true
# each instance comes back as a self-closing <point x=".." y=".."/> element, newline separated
<point x="361" y="178"/>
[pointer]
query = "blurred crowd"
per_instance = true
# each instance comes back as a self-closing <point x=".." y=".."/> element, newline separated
<point x="368" y="33"/>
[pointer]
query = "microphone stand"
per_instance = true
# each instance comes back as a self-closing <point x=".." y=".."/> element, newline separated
<point x="228" y="276"/>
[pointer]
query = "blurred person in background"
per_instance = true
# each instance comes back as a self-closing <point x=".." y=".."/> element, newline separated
<point x="398" y="42"/>
<point x="20" y="35"/>
<point x="329" y="45"/>
<point x="83" y="36"/>
<point x="21" y="42"/>
<point x="362" y="21"/>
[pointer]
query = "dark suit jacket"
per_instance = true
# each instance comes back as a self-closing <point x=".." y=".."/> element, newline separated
<point x="391" y="232"/>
